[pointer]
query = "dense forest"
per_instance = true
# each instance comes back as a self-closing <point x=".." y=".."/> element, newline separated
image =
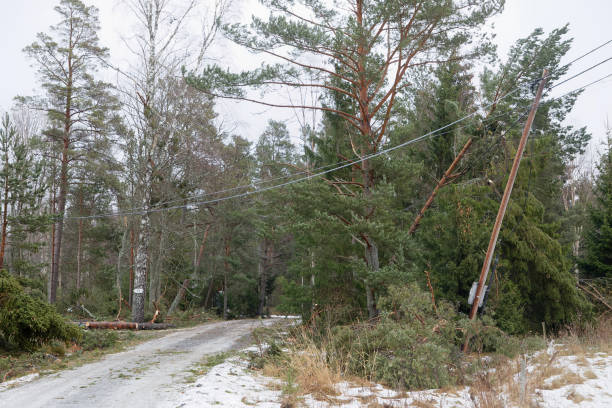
<point x="129" y="200"/>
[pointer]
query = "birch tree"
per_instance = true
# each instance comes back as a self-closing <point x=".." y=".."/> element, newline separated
<point x="160" y="46"/>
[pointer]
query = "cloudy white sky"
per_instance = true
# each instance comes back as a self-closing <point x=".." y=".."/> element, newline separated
<point x="589" y="20"/>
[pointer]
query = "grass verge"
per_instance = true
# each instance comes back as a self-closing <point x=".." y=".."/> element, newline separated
<point x="56" y="356"/>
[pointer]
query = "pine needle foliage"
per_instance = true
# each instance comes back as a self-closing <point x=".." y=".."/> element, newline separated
<point x="28" y="322"/>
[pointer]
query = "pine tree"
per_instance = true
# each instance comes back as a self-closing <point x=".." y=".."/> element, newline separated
<point x="78" y="106"/>
<point x="365" y="52"/>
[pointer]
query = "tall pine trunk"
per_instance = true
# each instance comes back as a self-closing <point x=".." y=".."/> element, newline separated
<point x="4" y="213"/>
<point x="59" y="225"/>
<point x="52" y="246"/>
<point x="225" y="273"/>
<point x="261" y="269"/>
<point x="63" y="192"/>
<point x="79" y="252"/>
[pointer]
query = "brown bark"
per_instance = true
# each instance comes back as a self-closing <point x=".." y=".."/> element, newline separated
<point x="79" y="242"/>
<point x="448" y="176"/>
<point x="126" y="325"/>
<point x="225" y="273"/>
<point x="211" y="286"/>
<point x="4" y="214"/>
<point x="262" y="266"/>
<point x="59" y="229"/>
<point x="52" y="205"/>
<point x="63" y="192"/>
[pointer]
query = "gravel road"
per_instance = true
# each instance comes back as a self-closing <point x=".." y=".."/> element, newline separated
<point x="151" y="374"/>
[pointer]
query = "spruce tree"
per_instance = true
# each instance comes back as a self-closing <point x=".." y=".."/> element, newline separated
<point x="596" y="260"/>
<point x="533" y="280"/>
<point x="21" y="195"/>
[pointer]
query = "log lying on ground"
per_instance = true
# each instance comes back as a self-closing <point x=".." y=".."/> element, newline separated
<point x="125" y="325"/>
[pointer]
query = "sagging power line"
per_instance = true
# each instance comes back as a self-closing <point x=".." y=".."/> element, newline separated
<point x="158" y="205"/>
<point x="347" y="163"/>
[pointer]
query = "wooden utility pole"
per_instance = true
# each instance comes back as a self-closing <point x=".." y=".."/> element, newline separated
<point x="446" y="178"/>
<point x="505" y="199"/>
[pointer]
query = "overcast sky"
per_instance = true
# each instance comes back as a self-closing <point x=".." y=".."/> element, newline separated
<point x="590" y="25"/>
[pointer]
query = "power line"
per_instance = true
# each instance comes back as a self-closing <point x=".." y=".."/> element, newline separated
<point x="346" y="163"/>
<point x="308" y="177"/>
<point x="276" y="186"/>
<point x="306" y="171"/>
<point x="256" y="183"/>
<point x="343" y="164"/>
<point x="582" y="72"/>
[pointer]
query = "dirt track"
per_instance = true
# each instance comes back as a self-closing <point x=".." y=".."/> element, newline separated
<point x="151" y="374"/>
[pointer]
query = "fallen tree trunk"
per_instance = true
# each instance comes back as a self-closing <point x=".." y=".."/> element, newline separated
<point x="446" y="178"/>
<point x="125" y="325"/>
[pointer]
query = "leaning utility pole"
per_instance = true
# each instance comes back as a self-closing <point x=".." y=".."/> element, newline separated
<point x="504" y="203"/>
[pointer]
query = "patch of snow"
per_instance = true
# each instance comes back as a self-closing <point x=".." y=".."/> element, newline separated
<point x="357" y="396"/>
<point x="230" y="384"/>
<point x="18" y="381"/>
<point x="594" y="392"/>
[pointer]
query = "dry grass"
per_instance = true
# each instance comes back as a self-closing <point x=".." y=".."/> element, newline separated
<point x="423" y="404"/>
<point x="304" y="370"/>
<point x="547" y="374"/>
<point x="589" y="339"/>
<point x="567" y="378"/>
<point x="576" y="397"/>
<point x="309" y="371"/>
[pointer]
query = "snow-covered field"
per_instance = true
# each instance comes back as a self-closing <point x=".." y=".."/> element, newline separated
<point x="548" y="381"/>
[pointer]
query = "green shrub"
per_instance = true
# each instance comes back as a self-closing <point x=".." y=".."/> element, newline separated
<point x="485" y="337"/>
<point x="411" y="347"/>
<point x="99" y="339"/>
<point x="55" y="348"/>
<point x="28" y="322"/>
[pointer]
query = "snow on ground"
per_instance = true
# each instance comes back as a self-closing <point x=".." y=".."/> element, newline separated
<point x="231" y="384"/>
<point x="594" y="392"/>
<point x="352" y="396"/>
<point x="578" y="381"/>
<point x="17" y="381"/>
